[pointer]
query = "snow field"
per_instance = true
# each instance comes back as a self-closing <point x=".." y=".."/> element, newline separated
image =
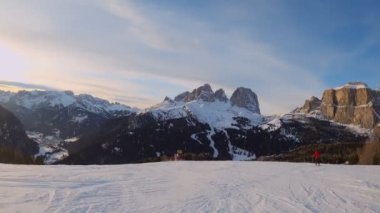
<point x="224" y="186"/>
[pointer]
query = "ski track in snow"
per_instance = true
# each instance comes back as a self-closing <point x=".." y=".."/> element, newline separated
<point x="212" y="142"/>
<point x="190" y="187"/>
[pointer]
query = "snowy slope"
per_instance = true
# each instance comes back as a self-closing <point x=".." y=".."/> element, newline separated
<point x="98" y="106"/>
<point x="34" y="99"/>
<point x="353" y="85"/>
<point x="54" y="117"/>
<point x="5" y="96"/>
<point x="40" y="99"/>
<point x="218" y="114"/>
<point x="49" y="146"/>
<point x="190" y="187"/>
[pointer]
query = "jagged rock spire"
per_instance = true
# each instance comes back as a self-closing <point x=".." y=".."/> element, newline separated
<point x="246" y="98"/>
<point x="221" y="95"/>
<point x="204" y="93"/>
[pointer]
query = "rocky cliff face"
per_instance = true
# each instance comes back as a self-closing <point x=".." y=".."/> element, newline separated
<point x="353" y="103"/>
<point x="246" y="98"/>
<point x="204" y="93"/>
<point x="311" y="105"/>
<point x="221" y="95"/>
<point x="241" y="97"/>
<point x="377" y="131"/>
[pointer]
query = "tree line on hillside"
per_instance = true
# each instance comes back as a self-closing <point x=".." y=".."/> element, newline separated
<point x="15" y="156"/>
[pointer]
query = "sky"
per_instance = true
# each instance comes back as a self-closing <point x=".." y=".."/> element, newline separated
<point x="138" y="52"/>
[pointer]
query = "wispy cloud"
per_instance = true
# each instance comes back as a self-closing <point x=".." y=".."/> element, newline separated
<point x="25" y="86"/>
<point x="137" y="52"/>
<point x="139" y="26"/>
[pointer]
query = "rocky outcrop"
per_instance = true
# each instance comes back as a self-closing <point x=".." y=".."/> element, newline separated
<point x="167" y="99"/>
<point x="204" y="93"/>
<point x="221" y="95"/>
<point x="376" y="131"/>
<point x="182" y="96"/>
<point x="311" y="105"/>
<point x="242" y="97"/>
<point x="328" y="106"/>
<point x="246" y="98"/>
<point x="353" y="103"/>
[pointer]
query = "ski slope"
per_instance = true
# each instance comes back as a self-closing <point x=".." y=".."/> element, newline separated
<point x="190" y="187"/>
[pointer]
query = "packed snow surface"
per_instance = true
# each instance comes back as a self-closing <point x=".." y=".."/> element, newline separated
<point x="190" y="187"/>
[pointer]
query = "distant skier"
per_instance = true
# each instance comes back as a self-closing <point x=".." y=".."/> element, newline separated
<point x="317" y="157"/>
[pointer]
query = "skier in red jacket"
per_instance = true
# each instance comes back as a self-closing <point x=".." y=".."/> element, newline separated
<point x="317" y="157"/>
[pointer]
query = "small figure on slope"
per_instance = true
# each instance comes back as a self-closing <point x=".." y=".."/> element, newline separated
<point x="317" y="156"/>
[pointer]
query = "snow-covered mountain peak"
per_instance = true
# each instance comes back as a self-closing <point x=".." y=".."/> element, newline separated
<point x="33" y="99"/>
<point x="167" y="99"/>
<point x="98" y="105"/>
<point x="242" y="97"/>
<point x="209" y="107"/>
<point x="219" y="114"/>
<point x="60" y="99"/>
<point x="353" y="85"/>
<point x="204" y="93"/>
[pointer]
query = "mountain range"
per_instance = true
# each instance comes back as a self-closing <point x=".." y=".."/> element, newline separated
<point x="201" y="124"/>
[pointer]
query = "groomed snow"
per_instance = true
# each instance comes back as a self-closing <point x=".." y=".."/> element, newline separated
<point x="190" y="187"/>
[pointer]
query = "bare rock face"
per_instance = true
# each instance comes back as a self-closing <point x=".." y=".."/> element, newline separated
<point x="204" y="93"/>
<point x="242" y="97"/>
<point x="345" y="96"/>
<point x="328" y="104"/>
<point x="364" y="96"/>
<point x="168" y="100"/>
<point x="376" y="131"/>
<point x="310" y="105"/>
<point x="353" y="103"/>
<point x="221" y="95"/>
<point x="246" y="98"/>
<point x="182" y="96"/>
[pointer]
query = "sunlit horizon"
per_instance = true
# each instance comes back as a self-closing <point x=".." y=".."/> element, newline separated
<point x="138" y="52"/>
